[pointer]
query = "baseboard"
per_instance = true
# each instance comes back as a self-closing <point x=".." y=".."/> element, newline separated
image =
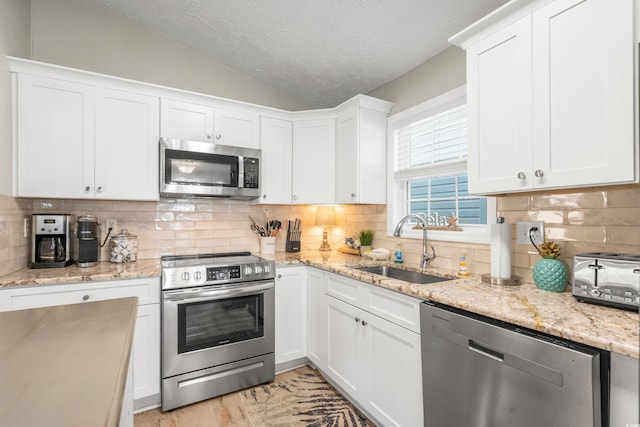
<point x="291" y="364"/>
<point x="146" y="403"/>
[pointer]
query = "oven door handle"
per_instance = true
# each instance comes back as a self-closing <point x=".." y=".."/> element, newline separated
<point x="216" y="294"/>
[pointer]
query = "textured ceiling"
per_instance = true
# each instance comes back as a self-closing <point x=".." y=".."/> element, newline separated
<point x="319" y="51"/>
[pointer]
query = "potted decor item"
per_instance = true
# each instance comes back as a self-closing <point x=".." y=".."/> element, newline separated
<point x="550" y="273"/>
<point x="366" y="240"/>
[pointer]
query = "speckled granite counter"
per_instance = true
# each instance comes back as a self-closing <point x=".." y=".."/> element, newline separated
<point x="554" y="313"/>
<point x="73" y="273"/>
<point x="558" y="314"/>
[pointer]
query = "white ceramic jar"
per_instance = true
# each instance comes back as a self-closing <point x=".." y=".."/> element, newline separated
<point x="124" y="247"/>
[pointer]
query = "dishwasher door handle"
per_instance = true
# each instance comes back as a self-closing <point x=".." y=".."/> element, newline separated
<point x="486" y="351"/>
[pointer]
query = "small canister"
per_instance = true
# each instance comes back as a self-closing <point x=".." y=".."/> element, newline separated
<point x="124" y="247"/>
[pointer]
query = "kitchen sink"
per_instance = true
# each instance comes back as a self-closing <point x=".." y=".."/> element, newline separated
<point x="407" y="276"/>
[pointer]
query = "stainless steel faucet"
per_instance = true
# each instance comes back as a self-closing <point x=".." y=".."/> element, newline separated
<point x="422" y="219"/>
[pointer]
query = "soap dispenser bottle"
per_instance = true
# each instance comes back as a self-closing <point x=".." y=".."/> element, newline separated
<point x="397" y="254"/>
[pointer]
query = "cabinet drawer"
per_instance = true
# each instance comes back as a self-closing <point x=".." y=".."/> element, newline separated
<point x="345" y="289"/>
<point x="400" y="309"/>
<point x="395" y="307"/>
<point x="147" y="291"/>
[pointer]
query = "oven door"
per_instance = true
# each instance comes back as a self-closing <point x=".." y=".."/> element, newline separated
<point x="205" y="327"/>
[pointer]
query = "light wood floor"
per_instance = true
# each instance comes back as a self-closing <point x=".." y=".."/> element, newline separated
<point x="223" y="411"/>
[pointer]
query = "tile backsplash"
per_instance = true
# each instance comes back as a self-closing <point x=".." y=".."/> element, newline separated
<point x="605" y="219"/>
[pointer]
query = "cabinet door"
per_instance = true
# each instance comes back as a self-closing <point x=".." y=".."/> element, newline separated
<point x="394" y="376"/>
<point x="183" y="120"/>
<point x="345" y="344"/>
<point x="127" y="134"/>
<point x="583" y="93"/>
<point x="361" y="156"/>
<point x="55" y="138"/>
<point x="499" y="107"/>
<point x="347" y="156"/>
<point x="146" y="352"/>
<point x="275" y="142"/>
<point x="290" y="314"/>
<point x="237" y="128"/>
<point x="313" y="179"/>
<point x="315" y="317"/>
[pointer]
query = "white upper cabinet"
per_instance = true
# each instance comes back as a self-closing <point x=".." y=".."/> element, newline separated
<point x="198" y="122"/>
<point x="361" y="150"/>
<point x="80" y="141"/>
<point x="237" y="128"/>
<point x="126" y="150"/>
<point x="275" y="141"/>
<point x="55" y="138"/>
<point x="313" y="179"/>
<point x="184" y="120"/>
<point x="551" y="96"/>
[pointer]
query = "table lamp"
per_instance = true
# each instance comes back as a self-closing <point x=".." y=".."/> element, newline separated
<point x="325" y="216"/>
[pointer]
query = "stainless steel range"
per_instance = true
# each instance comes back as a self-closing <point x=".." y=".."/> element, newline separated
<point x="217" y="325"/>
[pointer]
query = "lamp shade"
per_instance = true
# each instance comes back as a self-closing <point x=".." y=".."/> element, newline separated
<point x="326" y="215"/>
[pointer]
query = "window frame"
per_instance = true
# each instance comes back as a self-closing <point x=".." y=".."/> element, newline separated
<point x="397" y="190"/>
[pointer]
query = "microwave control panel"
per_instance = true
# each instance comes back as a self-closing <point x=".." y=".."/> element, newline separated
<point x="251" y="172"/>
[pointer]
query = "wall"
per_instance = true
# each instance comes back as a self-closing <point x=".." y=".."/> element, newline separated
<point x="175" y="227"/>
<point x="87" y="35"/>
<point x="436" y="76"/>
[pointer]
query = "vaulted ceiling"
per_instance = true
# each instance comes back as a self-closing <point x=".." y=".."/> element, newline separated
<point x="319" y="51"/>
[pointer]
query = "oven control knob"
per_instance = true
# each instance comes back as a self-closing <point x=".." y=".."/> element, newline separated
<point x="185" y="276"/>
<point x="248" y="271"/>
<point x="595" y="292"/>
<point x="267" y="268"/>
<point x="197" y="275"/>
<point x="258" y="269"/>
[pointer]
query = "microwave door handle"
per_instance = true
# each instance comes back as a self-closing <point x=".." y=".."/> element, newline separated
<point x="217" y="294"/>
<point x="240" y="172"/>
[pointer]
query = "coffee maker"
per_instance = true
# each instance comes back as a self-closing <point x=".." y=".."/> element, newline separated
<point x="51" y="243"/>
<point x="88" y="241"/>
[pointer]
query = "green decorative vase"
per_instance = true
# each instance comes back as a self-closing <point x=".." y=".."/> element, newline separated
<point x="550" y="274"/>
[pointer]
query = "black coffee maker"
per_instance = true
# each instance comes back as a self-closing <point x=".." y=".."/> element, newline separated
<point x="51" y="243"/>
<point x="88" y="241"/>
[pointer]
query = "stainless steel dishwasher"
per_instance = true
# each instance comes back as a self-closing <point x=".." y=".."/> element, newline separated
<point x="480" y="372"/>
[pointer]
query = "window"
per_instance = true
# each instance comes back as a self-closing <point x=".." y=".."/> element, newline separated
<point x="429" y="171"/>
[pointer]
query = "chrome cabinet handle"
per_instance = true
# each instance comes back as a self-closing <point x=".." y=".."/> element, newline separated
<point x="353" y="194"/>
<point x="521" y="175"/>
<point x="85" y="298"/>
<point x="538" y="173"/>
<point x="357" y="319"/>
<point x="364" y="323"/>
<point x="295" y="197"/>
<point x="99" y="190"/>
<point x="264" y="196"/>
<point x="87" y="189"/>
<point x="218" y="136"/>
<point x="279" y="276"/>
<point x="209" y="135"/>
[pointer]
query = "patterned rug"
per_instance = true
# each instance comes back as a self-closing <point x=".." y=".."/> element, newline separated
<point x="300" y="398"/>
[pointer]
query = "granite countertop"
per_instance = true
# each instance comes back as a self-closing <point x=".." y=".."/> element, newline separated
<point x="66" y="365"/>
<point x="558" y="314"/>
<point x="103" y="271"/>
<point x="554" y="313"/>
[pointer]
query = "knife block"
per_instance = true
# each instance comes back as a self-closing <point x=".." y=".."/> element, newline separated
<point x="293" y="241"/>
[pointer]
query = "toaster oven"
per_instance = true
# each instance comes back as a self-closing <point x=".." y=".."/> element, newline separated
<point x="606" y="278"/>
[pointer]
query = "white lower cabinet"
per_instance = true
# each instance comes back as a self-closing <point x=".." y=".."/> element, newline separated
<point x="315" y="318"/>
<point x="146" y="340"/>
<point x="375" y="361"/>
<point x="290" y="314"/>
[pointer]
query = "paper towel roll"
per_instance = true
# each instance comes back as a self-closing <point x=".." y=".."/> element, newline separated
<point x="501" y="250"/>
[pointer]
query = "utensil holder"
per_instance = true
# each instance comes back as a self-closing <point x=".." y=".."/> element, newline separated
<point x="267" y="245"/>
<point x="293" y="241"/>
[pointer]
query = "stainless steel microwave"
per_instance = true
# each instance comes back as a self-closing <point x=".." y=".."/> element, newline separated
<point x="205" y="169"/>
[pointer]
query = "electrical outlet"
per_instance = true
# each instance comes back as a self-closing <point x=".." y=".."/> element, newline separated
<point x="522" y="229"/>
<point x="113" y="225"/>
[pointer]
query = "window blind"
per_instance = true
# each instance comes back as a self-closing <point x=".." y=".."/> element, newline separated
<point x="437" y="139"/>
